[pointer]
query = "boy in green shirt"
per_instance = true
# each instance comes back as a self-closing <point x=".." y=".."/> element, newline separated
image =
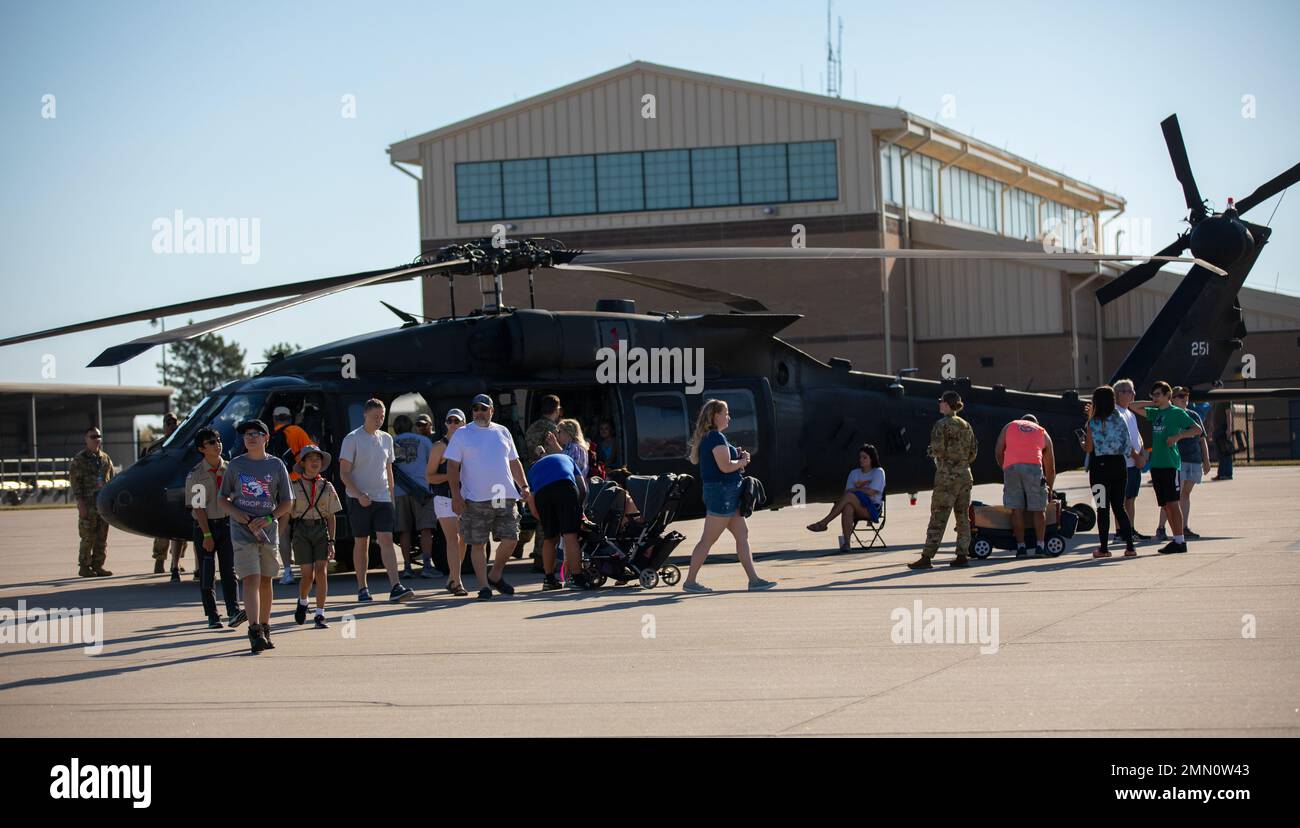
<point x="1169" y="424"/>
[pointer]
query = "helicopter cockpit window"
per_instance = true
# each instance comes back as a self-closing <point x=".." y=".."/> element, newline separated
<point x="237" y="409"/>
<point x="743" y="430"/>
<point x="661" y="427"/>
<point x="190" y="424"/>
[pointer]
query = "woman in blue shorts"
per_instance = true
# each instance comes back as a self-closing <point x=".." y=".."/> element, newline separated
<point x="863" y="492"/>
<point x="721" y="465"/>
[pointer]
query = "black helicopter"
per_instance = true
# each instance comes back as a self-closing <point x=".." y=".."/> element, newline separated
<point x="801" y="418"/>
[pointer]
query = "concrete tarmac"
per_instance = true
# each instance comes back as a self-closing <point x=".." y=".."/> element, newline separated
<point x="1201" y="644"/>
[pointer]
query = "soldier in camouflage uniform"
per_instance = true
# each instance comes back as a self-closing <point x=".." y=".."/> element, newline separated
<point x="534" y="448"/>
<point x="87" y="474"/>
<point x="953" y="447"/>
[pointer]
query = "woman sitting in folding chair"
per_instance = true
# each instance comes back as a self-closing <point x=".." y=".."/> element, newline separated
<point x="863" y="493"/>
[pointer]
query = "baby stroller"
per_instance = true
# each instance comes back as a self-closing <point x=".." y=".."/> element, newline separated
<point x="632" y="550"/>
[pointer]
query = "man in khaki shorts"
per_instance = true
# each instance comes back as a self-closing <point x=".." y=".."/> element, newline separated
<point x="256" y="487"/>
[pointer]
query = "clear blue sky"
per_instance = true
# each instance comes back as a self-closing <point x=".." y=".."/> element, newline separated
<point x="233" y="109"/>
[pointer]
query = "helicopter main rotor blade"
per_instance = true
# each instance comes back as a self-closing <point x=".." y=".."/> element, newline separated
<point x="1269" y="189"/>
<point x="225" y="301"/>
<point x="1137" y="276"/>
<point x="737" y="301"/>
<point x="118" y="354"/>
<point x="1182" y="167"/>
<point x="725" y="254"/>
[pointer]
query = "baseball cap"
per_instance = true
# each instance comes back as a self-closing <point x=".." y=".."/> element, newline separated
<point x="423" y="418"/>
<point x="455" y="412"/>
<point x="281" y="412"/>
<point x="483" y="399"/>
<point x="251" y="424"/>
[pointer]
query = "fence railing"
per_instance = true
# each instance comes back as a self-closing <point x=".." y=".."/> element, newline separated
<point x="34" y="480"/>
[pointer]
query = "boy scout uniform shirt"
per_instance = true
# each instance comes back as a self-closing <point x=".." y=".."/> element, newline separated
<point x="88" y="473"/>
<point x="306" y="490"/>
<point x="203" y="487"/>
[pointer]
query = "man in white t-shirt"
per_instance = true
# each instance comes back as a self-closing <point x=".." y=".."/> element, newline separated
<point x="366" y="469"/>
<point x="486" y="479"/>
<point x="1125" y="394"/>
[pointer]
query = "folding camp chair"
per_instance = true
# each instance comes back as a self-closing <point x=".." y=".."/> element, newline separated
<point x="871" y="528"/>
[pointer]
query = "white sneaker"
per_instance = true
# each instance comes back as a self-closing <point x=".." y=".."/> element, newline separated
<point x="287" y="579"/>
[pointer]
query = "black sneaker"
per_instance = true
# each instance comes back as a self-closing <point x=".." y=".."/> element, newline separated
<point x="577" y="581"/>
<point x="1188" y="533"/>
<point x="256" y="641"/>
<point x="266" y="633"/>
<point x="214" y="623"/>
<point x="300" y="613"/>
<point x="1173" y="548"/>
<point x="485" y="593"/>
<point x="400" y="593"/>
<point x="238" y="618"/>
<point x="1138" y="536"/>
<point x="550" y="582"/>
<point x="363" y="595"/>
<point x="1021" y="552"/>
<point x="320" y="623"/>
<point x="428" y="572"/>
<point x="1161" y="535"/>
<point x="408" y="573"/>
<point x="176" y="576"/>
<point x="501" y="586"/>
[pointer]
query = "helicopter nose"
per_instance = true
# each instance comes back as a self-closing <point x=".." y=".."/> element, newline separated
<point x="134" y="502"/>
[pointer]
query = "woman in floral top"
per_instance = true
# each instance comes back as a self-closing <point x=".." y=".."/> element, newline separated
<point x="1107" y="440"/>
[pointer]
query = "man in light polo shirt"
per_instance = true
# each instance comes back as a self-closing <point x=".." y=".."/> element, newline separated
<point x="256" y="489"/>
<point x="1024" y="451"/>
<point x="366" y="469"/>
<point x="486" y="479"/>
<point x="1124" y="397"/>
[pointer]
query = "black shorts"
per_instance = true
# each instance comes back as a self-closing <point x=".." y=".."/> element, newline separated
<point x="1165" y="482"/>
<point x="377" y="517"/>
<point x="557" y="506"/>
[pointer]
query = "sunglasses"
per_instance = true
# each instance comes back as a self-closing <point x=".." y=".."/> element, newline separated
<point x="451" y="420"/>
<point x="213" y="442"/>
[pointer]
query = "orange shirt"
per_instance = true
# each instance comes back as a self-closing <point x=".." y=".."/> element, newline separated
<point x="1024" y="443"/>
<point x="297" y="440"/>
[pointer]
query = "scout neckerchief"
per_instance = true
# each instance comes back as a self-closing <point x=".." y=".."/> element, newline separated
<point x="312" y="499"/>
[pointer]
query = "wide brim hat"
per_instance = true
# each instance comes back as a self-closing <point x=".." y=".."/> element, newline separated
<point x="312" y="449"/>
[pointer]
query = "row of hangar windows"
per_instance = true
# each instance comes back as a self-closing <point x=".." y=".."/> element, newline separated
<point x="623" y="182"/>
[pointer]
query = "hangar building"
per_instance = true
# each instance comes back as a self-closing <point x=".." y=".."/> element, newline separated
<point x="646" y="155"/>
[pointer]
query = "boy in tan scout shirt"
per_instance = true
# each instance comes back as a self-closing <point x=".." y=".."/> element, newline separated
<point x="312" y="516"/>
<point x="212" y="530"/>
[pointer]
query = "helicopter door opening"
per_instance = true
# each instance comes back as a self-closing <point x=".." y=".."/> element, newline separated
<point x="306" y="410"/>
<point x="590" y="405"/>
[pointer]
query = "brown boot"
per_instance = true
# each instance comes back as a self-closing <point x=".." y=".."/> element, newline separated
<point x="960" y="560"/>
<point x="158" y="566"/>
<point x="101" y="572"/>
<point x="85" y="572"/>
<point x="922" y="562"/>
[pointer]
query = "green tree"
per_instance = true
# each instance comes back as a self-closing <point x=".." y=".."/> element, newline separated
<point x="285" y="348"/>
<point x="196" y="366"/>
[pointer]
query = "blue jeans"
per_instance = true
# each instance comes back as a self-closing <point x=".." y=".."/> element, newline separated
<point x="722" y="499"/>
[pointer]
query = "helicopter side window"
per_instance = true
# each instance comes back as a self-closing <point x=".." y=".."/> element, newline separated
<point x="662" y="430"/>
<point x="743" y="430"/>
